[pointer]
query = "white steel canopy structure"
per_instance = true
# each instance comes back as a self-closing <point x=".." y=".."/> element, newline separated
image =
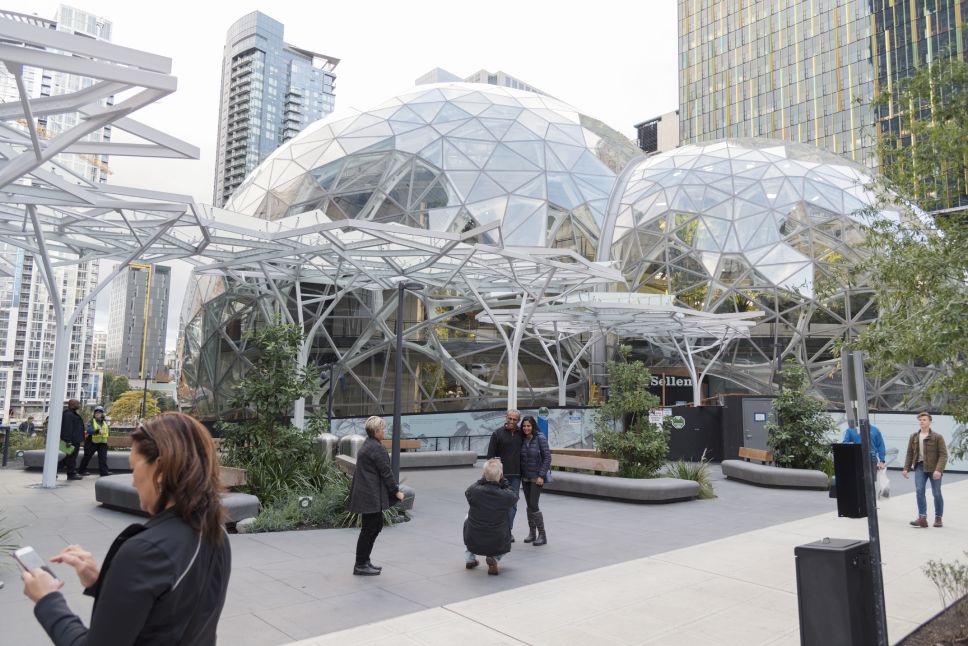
<point x="652" y="317"/>
<point x="346" y="255"/>
<point x="63" y="219"/>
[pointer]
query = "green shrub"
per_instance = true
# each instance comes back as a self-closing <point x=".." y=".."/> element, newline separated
<point x="641" y="447"/>
<point x="799" y="431"/>
<point x="698" y="471"/>
<point x="20" y="441"/>
<point x="951" y="579"/>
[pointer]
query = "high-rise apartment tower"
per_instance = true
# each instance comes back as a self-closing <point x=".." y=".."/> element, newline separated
<point x="271" y="90"/>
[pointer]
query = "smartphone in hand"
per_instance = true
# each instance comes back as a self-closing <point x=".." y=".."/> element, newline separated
<point x="30" y="560"/>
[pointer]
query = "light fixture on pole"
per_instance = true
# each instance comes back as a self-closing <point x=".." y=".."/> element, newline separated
<point x="402" y="286"/>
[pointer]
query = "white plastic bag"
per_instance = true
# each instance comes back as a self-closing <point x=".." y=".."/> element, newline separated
<point x="883" y="484"/>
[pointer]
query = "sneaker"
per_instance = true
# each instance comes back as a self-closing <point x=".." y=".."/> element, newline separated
<point x="937" y="521"/>
<point x="74" y="476"/>
<point x="365" y="570"/>
<point x="491" y="565"/>
<point x="85" y="472"/>
<point x="470" y="565"/>
<point x="921" y="521"/>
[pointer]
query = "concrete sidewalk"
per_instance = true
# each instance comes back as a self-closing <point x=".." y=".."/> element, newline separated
<point x="739" y="590"/>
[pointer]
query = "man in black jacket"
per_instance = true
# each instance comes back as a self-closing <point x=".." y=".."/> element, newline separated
<point x="72" y="434"/>
<point x="486" y="529"/>
<point x="506" y="444"/>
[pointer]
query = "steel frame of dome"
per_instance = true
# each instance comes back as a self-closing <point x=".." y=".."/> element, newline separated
<point x="741" y="225"/>
<point x="348" y="255"/>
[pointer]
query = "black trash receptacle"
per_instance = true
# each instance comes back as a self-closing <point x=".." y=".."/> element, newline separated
<point x="835" y="593"/>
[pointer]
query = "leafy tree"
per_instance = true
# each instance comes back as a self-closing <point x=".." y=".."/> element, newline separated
<point x="278" y="457"/>
<point x="166" y="403"/>
<point x="641" y="447"/>
<point x="127" y="407"/>
<point x="799" y="431"/>
<point x="919" y="265"/>
<point x="114" y="387"/>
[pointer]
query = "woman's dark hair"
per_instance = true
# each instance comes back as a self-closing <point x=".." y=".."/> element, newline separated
<point x="534" y="423"/>
<point x="187" y="470"/>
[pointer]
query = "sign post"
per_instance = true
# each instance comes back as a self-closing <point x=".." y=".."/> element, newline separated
<point x="855" y="403"/>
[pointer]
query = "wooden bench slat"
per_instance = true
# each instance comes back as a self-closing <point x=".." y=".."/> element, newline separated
<point x="405" y="445"/>
<point x="609" y="465"/>
<point x="232" y="477"/>
<point x="755" y="454"/>
<point x="587" y="453"/>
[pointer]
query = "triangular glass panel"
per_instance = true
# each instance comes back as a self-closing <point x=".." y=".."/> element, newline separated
<point x="497" y="127"/>
<point x="450" y="112"/>
<point x="504" y="158"/>
<point x="485" y="188"/>
<point x="473" y="129"/>
<point x="463" y="182"/>
<point x="478" y="152"/>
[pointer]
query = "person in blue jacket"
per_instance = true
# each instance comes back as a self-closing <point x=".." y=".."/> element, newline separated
<point x="878" y="450"/>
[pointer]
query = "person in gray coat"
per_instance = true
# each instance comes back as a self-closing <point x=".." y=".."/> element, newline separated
<point x="370" y="493"/>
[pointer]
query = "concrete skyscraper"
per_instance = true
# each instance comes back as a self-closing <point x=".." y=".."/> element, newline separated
<point x="127" y="324"/>
<point x="271" y="90"/>
<point x="26" y="315"/>
<point x="805" y="70"/>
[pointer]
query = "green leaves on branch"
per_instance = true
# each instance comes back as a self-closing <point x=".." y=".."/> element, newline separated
<point x="642" y="447"/>
<point x="799" y="432"/>
<point x="919" y="266"/>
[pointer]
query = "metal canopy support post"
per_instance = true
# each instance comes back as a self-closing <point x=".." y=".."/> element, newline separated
<point x="855" y="397"/>
<point x="402" y="286"/>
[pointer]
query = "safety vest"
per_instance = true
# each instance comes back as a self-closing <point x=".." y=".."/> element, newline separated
<point x="100" y="434"/>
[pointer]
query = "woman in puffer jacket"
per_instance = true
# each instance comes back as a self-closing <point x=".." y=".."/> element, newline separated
<point x="535" y="464"/>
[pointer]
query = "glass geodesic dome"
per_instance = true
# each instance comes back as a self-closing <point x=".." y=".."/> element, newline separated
<point x="745" y="225"/>
<point x="447" y="157"/>
<point x="451" y="157"/>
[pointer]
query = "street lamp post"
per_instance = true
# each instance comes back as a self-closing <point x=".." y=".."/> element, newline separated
<point x="402" y="287"/>
<point x="144" y="336"/>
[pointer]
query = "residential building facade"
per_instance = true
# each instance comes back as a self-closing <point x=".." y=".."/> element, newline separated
<point x="127" y="324"/>
<point x="271" y="90"/>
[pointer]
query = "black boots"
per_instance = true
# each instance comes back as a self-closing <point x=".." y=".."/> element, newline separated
<point x="365" y="570"/>
<point x="541" y="539"/>
<point x="532" y="527"/>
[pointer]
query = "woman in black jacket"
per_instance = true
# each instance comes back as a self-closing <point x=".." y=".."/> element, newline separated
<point x="163" y="582"/>
<point x="370" y="493"/>
<point x="535" y="464"/>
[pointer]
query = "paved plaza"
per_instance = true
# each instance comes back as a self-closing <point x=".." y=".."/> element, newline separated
<point x="705" y="572"/>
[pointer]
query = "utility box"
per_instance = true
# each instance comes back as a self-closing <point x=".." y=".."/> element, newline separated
<point x="835" y="593"/>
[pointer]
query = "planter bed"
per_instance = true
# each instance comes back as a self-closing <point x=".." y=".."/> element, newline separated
<point x="768" y="476"/>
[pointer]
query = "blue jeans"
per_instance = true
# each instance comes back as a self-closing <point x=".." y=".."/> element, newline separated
<point x="515" y="482"/>
<point x="469" y="556"/>
<point x="920" y="478"/>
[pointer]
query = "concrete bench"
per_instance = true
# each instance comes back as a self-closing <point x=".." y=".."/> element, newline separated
<point x="437" y="459"/>
<point x="117" y="460"/>
<point x="641" y="490"/>
<point x="767" y="476"/>
<point x="118" y="492"/>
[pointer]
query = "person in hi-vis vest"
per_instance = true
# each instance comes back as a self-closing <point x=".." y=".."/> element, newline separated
<point x="96" y="439"/>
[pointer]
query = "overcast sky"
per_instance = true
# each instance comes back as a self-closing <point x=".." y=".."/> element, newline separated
<point x="613" y="60"/>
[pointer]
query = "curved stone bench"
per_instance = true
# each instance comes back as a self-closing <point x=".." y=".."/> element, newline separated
<point x="767" y="476"/>
<point x="117" y="460"/>
<point x="436" y="459"/>
<point x="118" y="492"/>
<point x="642" y="490"/>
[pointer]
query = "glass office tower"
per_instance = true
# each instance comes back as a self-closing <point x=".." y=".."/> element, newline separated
<point x="271" y="90"/>
<point x="805" y="70"/>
